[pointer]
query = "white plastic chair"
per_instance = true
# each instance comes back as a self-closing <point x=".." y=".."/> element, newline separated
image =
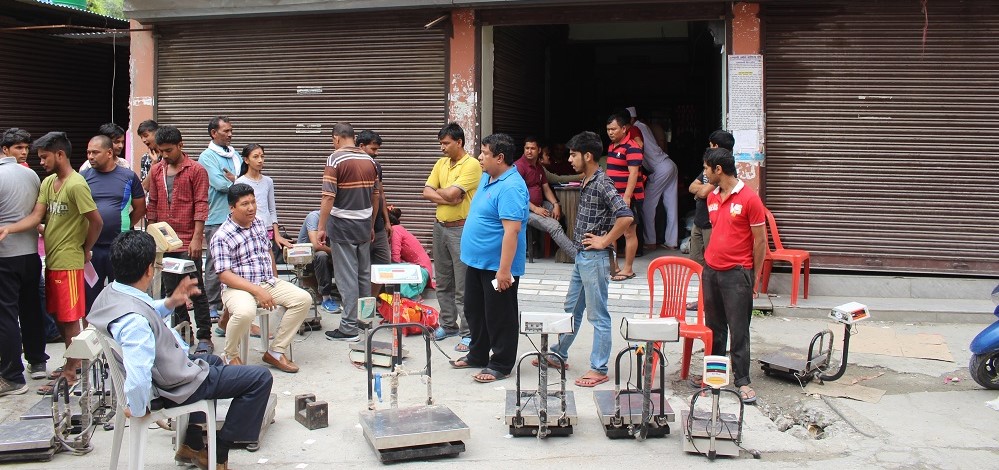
<point x="138" y="426"/>
<point x="265" y="332"/>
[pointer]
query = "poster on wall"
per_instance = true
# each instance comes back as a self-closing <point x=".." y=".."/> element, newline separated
<point x="745" y="106"/>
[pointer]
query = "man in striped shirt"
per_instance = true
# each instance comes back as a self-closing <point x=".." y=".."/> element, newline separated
<point x="624" y="159"/>
<point x="345" y="217"/>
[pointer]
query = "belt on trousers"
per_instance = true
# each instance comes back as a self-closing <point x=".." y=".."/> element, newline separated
<point x="453" y="223"/>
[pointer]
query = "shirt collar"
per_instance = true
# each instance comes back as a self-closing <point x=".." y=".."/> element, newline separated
<point x="7" y="160"/>
<point x="127" y="289"/>
<point x="506" y="174"/>
<point x="738" y="187"/>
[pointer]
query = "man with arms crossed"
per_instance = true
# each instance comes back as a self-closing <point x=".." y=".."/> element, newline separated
<point x="451" y="185"/>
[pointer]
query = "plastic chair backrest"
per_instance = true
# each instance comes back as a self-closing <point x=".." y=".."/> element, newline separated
<point x="772" y="223"/>
<point x="675" y="273"/>
<point x="112" y="355"/>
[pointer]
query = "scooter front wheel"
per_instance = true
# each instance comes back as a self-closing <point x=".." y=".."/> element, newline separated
<point x="984" y="368"/>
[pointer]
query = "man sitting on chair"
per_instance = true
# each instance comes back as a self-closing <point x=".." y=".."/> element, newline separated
<point x="245" y="265"/>
<point x="156" y="365"/>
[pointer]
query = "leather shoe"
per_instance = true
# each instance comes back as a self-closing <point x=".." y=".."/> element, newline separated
<point x="233" y="361"/>
<point x="282" y="364"/>
<point x="223" y="466"/>
<point x="186" y="455"/>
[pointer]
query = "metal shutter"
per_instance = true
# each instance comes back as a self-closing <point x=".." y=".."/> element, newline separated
<point x="285" y="81"/>
<point x="519" y="68"/>
<point x="880" y="150"/>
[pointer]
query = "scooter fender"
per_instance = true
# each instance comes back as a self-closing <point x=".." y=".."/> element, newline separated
<point x="988" y="340"/>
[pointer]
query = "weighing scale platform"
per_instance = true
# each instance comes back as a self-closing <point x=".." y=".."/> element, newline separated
<point x="415" y="432"/>
<point x="726" y="433"/>
<point x="631" y="413"/>
<point x="31" y="439"/>
<point x="529" y="413"/>
<point x="43" y="409"/>
<point x="791" y="362"/>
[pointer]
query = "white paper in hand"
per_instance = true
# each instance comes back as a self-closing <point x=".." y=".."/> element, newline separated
<point x="90" y="274"/>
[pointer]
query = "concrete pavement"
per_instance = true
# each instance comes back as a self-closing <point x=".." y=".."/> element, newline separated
<point x="921" y="422"/>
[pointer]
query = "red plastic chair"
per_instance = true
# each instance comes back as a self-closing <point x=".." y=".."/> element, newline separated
<point x="799" y="260"/>
<point x="675" y="273"/>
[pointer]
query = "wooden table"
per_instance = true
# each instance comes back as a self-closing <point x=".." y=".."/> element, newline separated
<point x="568" y="197"/>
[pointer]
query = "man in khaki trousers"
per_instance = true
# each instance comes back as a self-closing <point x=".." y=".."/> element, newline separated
<point x="245" y="265"/>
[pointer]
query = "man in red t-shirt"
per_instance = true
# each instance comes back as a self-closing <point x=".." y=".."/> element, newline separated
<point x="734" y="257"/>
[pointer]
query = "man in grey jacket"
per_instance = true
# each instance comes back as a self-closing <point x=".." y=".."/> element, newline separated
<point x="160" y="373"/>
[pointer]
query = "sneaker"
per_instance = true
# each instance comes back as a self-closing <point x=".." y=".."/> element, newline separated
<point x="11" y="388"/>
<point x="37" y="371"/>
<point x="337" y="335"/>
<point x="330" y="306"/>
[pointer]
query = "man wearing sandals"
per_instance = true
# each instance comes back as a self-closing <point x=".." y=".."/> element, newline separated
<point x="602" y="217"/>
<point x="734" y="257"/>
<point x="72" y="225"/>
<point x="493" y="247"/>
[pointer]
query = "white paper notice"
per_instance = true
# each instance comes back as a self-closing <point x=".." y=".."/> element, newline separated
<point x="745" y="92"/>
<point x="90" y="274"/>
<point x="746" y="141"/>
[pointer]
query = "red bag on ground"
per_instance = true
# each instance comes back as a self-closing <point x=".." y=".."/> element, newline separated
<point x="412" y="312"/>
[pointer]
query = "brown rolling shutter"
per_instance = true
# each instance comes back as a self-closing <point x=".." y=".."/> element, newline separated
<point x="880" y="146"/>
<point x="519" y="81"/>
<point x="54" y="84"/>
<point x="285" y="81"/>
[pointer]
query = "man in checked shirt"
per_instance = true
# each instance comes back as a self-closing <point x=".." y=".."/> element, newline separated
<point x="602" y="217"/>
<point x="244" y="262"/>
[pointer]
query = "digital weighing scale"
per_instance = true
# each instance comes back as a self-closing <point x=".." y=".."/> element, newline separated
<point x="642" y="412"/>
<point x="415" y="432"/>
<point x="713" y="433"/>
<point x="802" y="367"/>
<point x="539" y="412"/>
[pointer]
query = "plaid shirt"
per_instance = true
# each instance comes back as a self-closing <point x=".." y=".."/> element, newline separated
<point x="600" y="206"/>
<point x="187" y="204"/>
<point x="244" y="251"/>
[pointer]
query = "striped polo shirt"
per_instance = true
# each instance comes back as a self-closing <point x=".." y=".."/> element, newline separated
<point x="620" y="156"/>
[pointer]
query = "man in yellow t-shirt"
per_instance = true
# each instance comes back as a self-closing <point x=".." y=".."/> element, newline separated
<point x="72" y="225"/>
<point x="451" y="185"/>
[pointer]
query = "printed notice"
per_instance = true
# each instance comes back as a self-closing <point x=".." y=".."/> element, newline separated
<point x="745" y="92"/>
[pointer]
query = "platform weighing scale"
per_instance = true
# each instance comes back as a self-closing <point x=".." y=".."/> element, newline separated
<point x="713" y="433"/>
<point x="300" y="257"/>
<point x="642" y="412"/>
<point x="540" y="412"/>
<point x="803" y="367"/>
<point x="66" y="420"/>
<point x="415" y="432"/>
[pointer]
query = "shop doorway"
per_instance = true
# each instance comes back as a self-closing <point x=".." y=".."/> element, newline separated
<point x="553" y="81"/>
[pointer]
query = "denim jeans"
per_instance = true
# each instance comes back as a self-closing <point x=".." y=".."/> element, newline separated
<point x="588" y="291"/>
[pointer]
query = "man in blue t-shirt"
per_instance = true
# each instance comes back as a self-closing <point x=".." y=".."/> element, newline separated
<point x="121" y="203"/>
<point x="322" y="264"/>
<point x="493" y="247"/>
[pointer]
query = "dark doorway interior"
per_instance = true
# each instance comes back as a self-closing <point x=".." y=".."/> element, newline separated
<point x="554" y="81"/>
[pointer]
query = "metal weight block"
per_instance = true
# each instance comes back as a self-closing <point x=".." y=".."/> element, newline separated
<point x="311" y="413"/>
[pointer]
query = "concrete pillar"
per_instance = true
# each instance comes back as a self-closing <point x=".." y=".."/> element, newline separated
<point x="142" y="75"/>
<point x="463" y="94"/>
<point x="746" y="40"/>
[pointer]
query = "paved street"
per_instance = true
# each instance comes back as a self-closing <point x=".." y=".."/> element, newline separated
<point x="921" y="422"/>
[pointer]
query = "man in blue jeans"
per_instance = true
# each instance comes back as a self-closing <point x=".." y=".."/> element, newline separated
<point x="602" y="218"/>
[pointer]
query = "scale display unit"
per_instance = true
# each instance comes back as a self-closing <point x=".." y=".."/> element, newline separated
<point x="423" y="431"/>
<point x="643" y="411"/>
<point x="542" y="413"/>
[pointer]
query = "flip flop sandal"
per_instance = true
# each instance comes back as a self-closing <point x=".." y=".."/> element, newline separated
<point x="47" y="388"/>
<point x="467" y="365"/>
<point x="746" y="398"/>
<point x="591" y="381"/>
<point x="622" y="277"/>
<point x="551" y="363"/>
<point x="463" y="345"/>
<point x="487" y="371"/>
